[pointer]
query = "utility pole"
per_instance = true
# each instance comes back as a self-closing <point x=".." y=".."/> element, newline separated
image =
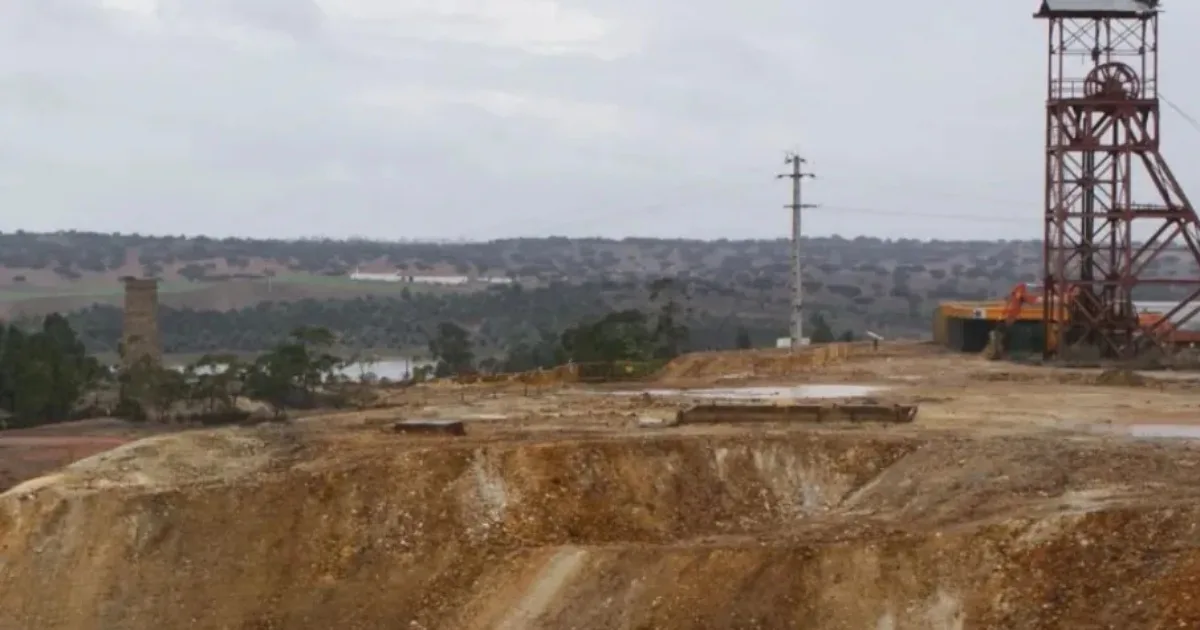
<point x="797" y="176"/>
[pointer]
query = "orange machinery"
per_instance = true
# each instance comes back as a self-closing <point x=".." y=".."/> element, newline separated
<point x="1022" y="295"/>
<point x="1028" y="294"/>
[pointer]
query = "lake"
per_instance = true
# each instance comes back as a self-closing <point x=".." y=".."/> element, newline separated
<point x="391" y="368"/>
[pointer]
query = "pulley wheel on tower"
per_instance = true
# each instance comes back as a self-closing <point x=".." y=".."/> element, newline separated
<point x="1112" y="80"/>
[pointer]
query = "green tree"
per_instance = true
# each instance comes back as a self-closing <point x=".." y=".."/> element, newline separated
<point x="544" y="352"/>
<point x="742" y="341"/>
<point x="277" y="378"/>
<point x="819" y="330"/>
<point x="149" y="391"/>
<point x="31" y="382"/>
<point x="422" y="373"/>
<point x="619" y="336"/>
<point x="451" y="348"/>
<point x="670" y="333"/>
<point x="215" y="380"/>
<point x="291" y="373"/>
<point x="73" y="372"/>
<point x="165" y="389"/>
<point x="45" y="374"/>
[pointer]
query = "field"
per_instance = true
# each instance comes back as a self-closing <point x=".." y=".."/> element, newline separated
<point x="224" y="295"/>
<point x="1019" y="497"/>
<point x="114" y="290"/>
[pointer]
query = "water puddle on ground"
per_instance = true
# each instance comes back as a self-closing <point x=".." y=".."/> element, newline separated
<point x="1152" y="431"/>
<point x="767" y="393"/>
<point x="1185" y="431"/>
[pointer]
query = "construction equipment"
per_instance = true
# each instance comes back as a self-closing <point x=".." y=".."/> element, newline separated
<point x="1022" y="295"/>
<point x="1025" y="295"/>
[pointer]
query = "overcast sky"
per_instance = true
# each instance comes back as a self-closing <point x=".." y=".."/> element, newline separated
<point x="497" y="118"/>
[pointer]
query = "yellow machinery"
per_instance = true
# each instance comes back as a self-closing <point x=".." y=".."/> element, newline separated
<point x="1015" y="324"/>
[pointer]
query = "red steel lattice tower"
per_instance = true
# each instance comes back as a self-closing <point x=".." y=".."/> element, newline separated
<point x="1102" y="138"/>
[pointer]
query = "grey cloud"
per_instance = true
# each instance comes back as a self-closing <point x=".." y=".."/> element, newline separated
<point x="107" y="123"/>
<point x="301" y="19"/>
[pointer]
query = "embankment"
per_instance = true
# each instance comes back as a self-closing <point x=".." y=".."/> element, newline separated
<point x="259" y="530"/>
<point x="758" y="363"/>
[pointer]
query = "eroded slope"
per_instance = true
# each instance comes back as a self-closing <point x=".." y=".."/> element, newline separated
<point x="816" y="529"/>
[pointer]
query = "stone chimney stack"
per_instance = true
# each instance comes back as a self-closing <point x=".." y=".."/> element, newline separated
<point x="140" y="337"/>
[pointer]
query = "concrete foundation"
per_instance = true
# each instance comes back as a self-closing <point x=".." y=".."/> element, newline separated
<point x="848" y="412"/>
<point x="430" y="427"/>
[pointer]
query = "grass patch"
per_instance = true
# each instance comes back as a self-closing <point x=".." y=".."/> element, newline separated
<point x="15" y="294"/>
<point x="107" y="291"/>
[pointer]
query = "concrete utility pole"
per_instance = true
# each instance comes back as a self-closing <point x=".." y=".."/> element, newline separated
<point x="797" y="175"/>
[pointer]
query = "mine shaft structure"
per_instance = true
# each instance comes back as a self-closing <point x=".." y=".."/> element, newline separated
<point x="140" y="339"/>
<point x="1102" y="138"/>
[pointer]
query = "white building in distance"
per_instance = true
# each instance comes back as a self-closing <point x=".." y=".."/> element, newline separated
<point x="364" y="276"/>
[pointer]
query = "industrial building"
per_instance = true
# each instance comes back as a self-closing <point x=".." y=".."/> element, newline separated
<point x="447" y="280"/>
<point x="967" y="326"/>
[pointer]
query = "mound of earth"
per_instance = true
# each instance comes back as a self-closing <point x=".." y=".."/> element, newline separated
<point x="753" y="363"/>
<point x="819" y="529"/>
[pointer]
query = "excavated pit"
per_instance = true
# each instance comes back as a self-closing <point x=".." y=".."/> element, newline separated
<point x="807" y="529"/>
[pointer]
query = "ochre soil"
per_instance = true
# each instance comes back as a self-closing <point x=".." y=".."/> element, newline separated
<point x="1015" y="500"/>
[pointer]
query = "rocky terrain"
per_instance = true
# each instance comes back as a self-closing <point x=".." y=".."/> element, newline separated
<point x="1019" y="498"/>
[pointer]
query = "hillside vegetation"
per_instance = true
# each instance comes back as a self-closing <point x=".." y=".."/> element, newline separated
<point x="63" y="259"/>
<point x="498" y="318"/>
<point x="241" y="294"/>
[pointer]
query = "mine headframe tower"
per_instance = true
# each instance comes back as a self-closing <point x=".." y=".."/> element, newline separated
<point x="1102" y="135"/>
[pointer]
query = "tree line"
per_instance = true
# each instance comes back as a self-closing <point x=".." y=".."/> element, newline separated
<point x="72" y="252"/>
<point x="301" y="372"/>
<point x="403" y="324"/>
<point x="47" y="374"/>
<point x="631" y="337"/>
<point x="625" y="335"/>
<point x="44" y="372"/>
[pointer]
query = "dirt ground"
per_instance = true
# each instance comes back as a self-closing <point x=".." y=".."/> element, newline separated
<point x="957" y="393"/>
<point x="1020" y="497"/>
<point x="28" y="453"/>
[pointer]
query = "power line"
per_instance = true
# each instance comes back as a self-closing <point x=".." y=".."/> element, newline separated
<point x="648" y="210"/>
<point x="930" y="215"/>
<point x="561" y="219"/>
<point x="797" y="175"/>
<point x="1179" y="110"/>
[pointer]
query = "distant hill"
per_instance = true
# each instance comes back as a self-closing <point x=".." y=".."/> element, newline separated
<point x="890" y="286"/>
<point x="89" y="265"/>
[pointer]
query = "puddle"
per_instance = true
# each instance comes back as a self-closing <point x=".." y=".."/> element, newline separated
<point x="429" y="422"/>
<point x="1187" y="431"/>
<point x="770" y="393"/>
<point x="484" y="416"/>
<point x="1152" y="431"/>
<point x="1170" y="376"/>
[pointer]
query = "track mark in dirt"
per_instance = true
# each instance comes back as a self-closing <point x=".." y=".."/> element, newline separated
<point x="550" y="581"/>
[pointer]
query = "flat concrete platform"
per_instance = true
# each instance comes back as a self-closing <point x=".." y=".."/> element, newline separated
<point x="430" y="427"/>
<point x="848" y="412"/>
